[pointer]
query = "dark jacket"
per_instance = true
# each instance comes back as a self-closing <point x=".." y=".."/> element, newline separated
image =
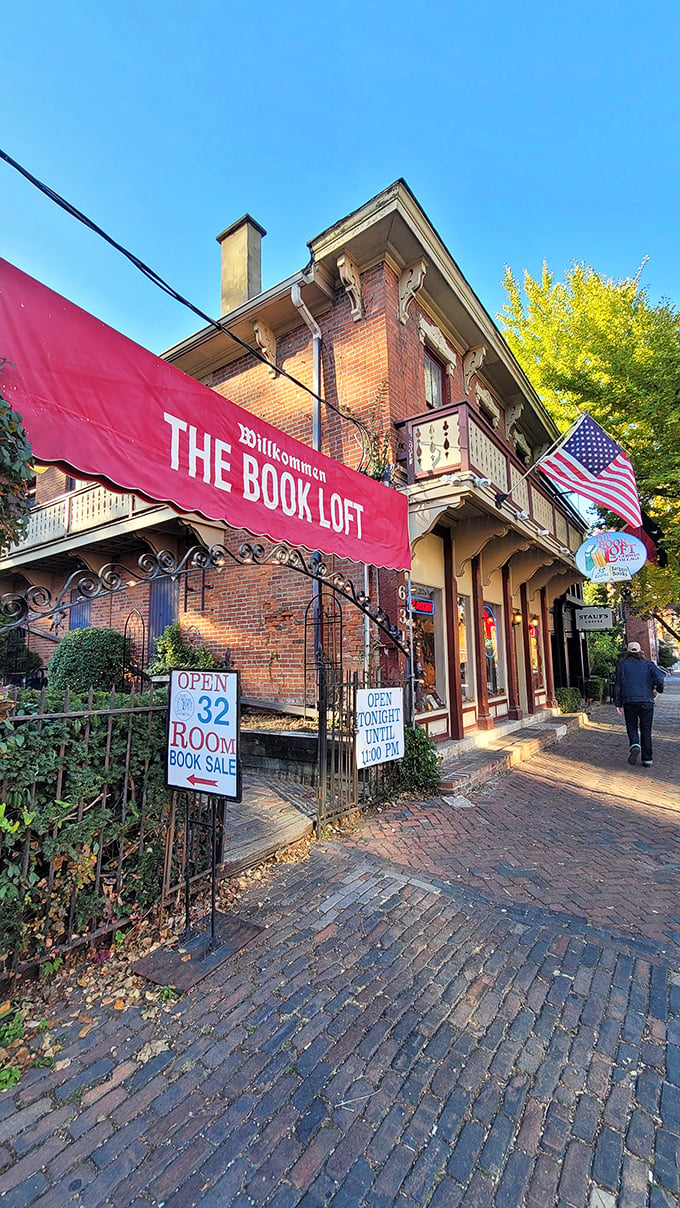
<point x="635" y="680"/>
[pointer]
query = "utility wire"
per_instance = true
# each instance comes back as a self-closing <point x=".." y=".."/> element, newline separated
<point x="168" y="289"/>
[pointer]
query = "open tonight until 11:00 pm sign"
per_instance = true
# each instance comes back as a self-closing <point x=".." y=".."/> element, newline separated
<point x="204" y="733"/>
<point x="379" y="725"/>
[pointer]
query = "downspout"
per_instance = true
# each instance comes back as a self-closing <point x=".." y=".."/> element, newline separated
<point x="311" y="323"/>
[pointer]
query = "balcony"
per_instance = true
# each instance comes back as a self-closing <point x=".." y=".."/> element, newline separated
<point x="91" y="513"/>
<point x="455" y="440"/>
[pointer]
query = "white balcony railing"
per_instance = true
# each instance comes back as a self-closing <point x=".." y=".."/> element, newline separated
<point x="89" y="507"/>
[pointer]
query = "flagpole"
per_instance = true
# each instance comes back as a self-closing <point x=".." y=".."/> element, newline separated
<point x="501" y="496"/>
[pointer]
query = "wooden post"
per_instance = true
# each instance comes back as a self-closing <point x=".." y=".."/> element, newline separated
<point x="484" y="719"/>
<point x="547" y="651"/>
<point x="514" y="709"/>
<point x="531" y="700"/>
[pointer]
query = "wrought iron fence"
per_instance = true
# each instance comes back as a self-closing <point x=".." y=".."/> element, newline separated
<point x="83" y="813"/>
<point x="343" y="786"/>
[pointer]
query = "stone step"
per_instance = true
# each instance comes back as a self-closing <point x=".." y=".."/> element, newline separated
<point x="474" y="767"/>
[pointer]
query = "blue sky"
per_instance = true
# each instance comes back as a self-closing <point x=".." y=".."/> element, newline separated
<point x="526" y="132"/>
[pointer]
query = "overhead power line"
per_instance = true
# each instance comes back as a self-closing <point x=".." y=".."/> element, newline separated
<point x="173" y="293"/>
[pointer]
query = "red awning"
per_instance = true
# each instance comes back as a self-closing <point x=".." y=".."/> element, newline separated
<point x="104" y="408"/>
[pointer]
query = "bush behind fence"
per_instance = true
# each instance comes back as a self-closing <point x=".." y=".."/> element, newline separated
<point x="82" y="809"/>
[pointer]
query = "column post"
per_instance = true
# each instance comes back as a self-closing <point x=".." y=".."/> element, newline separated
<point x="514" y="709"/>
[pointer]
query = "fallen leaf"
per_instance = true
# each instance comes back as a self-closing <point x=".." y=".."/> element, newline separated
<point x="5" y="1006"/>
<point x="187" y="957"/>
<point x="119" y="1004"/>
<point x="152" y="1049"/>
<point x="63" y="1064"/>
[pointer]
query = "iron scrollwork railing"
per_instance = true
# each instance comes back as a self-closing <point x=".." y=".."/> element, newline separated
<point x="37" y="603"/>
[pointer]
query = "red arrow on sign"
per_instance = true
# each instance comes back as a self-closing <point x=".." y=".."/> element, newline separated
<point x="196" y="780"/>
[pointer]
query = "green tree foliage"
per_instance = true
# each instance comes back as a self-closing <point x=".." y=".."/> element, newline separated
<point x="595" y="344"/>
<point x="88" y="658"/>
<point x="15" y="474"/>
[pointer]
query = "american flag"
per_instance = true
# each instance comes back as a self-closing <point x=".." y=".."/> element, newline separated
<point x="592" y="464"/>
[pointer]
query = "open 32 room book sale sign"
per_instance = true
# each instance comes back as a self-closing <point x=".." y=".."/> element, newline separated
<point x="204" y="733"/>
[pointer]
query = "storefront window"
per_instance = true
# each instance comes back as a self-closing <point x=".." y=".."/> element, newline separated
<point x="464" y="647"/>
<point x="492" y="646"/>
<point x="428" y="646"/>
<point x="535" y="653"/>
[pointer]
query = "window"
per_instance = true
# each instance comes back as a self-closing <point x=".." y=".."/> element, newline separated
<point x="80" y="614"/>
<point x="494" y="681"/>
<point x="162" y="606"/>
<point x="535" y="653"/>
<point x="428" y="646"/>
<point x="464" y="647"/>
<point x="434" y="381"/>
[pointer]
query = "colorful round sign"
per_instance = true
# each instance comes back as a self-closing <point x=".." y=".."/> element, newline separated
<point x="610" y="557"/>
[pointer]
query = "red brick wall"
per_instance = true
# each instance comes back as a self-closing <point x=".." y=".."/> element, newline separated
<point x="49" y="484"/>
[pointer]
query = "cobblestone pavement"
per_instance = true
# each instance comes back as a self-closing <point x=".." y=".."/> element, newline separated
<point x="575" y="829"/>
<point x="404" y="1032"/>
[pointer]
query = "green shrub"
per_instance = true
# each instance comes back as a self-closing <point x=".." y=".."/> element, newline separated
<point x="88" y="658"/>
<point x="174" y="653"/>
<point x="667" y="655"/>
<point x="604" y="649"/>
<point x="568" y="699"/>
<point x="418" y="771"/>
<point x="598" y="688"/>
<point x="62" y="810"/>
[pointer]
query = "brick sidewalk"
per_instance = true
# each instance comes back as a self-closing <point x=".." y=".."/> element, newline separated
<point x="575" y="829"/>
<point x="395" y="1037"/>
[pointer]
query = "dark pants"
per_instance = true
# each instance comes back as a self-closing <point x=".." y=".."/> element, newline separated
<point x="639" y="715"/>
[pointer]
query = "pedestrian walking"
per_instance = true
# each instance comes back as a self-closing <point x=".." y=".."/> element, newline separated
<point x="637" y="681"/>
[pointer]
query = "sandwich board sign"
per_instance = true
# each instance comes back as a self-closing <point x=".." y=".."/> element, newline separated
<point x="204" y="733"/>
<point x="379" y="725"/>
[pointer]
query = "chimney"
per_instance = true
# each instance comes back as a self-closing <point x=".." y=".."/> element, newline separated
<point x="241" y="262"/>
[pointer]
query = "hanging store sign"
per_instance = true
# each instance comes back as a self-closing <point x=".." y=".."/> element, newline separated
<point x="610" y="557"/>
<point x="589" y="619"/>
<point x="379" y="725"/>
<point x="204" y="733"/>
<point x="102" y="407"/>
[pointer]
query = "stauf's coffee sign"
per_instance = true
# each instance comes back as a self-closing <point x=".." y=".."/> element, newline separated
<point x="593" y="619"/>
<point x="610" y="557"/>
<point x="100" y="406"/>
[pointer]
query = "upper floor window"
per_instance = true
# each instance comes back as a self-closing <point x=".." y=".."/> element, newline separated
<point x="434" y="381"/>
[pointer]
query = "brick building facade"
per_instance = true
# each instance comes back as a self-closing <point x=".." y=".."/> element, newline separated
<point x="383" y="319"/>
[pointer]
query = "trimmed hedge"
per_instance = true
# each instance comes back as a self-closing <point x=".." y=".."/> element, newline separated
<point x="569" y="700"/>
<point x="88" y="658"/>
